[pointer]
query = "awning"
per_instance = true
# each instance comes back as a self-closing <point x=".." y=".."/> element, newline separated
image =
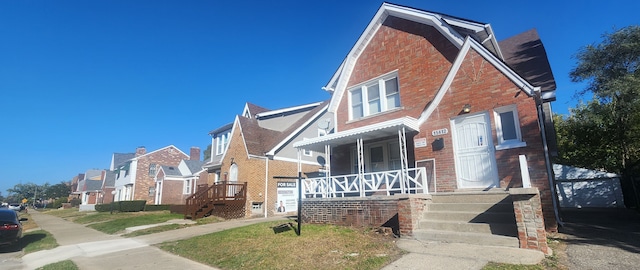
<point x="378" y="130"/>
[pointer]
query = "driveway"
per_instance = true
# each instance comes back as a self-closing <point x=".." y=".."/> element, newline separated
<point x="602" y="238"/>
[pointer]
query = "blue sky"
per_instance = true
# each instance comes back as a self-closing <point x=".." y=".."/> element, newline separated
<point x="83" y="79"/>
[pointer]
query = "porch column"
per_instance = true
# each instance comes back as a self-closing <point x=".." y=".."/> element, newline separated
<point x="327" y="167"/>
<point x="360" y="147"/>
<point x="404" y="163"/>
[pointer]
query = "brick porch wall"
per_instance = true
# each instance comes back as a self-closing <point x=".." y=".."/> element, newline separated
<point x="529" y="219"/>
<point x="360" y="212"/>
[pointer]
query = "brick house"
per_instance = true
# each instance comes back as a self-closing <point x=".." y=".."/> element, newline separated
<point x="257" y="149"/>
<point x="135" y="178"/>
<point x="173" y="184"/>
<point x="430" y="103"/>
<point x="90" y="186"/>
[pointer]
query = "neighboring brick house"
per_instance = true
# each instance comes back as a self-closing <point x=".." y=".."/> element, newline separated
<point x="421" y="89"/>
<point x="173" y="184"/>
<point x="90" y="187"/>
<point x="108" y="187"/>
<point x="135" y="177"/>
<point x="257" y="148"/>
<point x="75" y="193"/>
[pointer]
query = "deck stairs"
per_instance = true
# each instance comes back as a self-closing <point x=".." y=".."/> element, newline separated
<point x="480" y="218"/>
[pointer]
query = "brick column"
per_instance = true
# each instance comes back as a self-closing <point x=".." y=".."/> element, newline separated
<point x="529" y="218"/>
<point x="410" y="210"/>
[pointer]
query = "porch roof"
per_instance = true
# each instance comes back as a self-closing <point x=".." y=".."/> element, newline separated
<point x="378" y="130"/>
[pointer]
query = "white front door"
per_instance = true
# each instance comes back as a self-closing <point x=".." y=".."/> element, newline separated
<point x="474" y="152"/>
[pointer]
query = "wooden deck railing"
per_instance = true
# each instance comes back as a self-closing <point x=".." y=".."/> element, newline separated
<point x="202" y="202"/>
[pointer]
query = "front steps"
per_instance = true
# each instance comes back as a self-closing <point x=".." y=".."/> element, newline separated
<point x="479" y="218"/>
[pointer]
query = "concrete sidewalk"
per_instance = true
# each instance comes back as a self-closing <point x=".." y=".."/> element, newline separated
<point x="91" y="249"/>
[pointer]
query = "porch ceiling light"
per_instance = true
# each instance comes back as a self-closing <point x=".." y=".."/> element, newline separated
<point x="466" y="108"/>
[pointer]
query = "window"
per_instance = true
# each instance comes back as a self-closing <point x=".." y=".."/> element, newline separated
<point x="307" y="152"/>
<point x="187" y="186"/>
<point x="374" y="96"/>
<point x="221" y="143"/>
<point x="508" y="128"/>
<point x="152" y="170"/>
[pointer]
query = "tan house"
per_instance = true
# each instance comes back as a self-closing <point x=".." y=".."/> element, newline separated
<point x="257" y="149"/>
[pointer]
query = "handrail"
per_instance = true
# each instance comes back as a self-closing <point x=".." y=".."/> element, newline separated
<point x="218" y="192"/>
<point x="352" y="185"/>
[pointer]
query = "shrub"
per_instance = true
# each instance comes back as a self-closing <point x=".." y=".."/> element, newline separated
<point x="58" y="202"/>
<point x="75" y="202"/>
<point x="105" y="207"/>
<point x="131" y="206"/>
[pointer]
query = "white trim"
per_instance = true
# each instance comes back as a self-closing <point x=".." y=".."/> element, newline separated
<point x="296" y="132"/>
<point x="513" y="143"/>
<point x="549" y="95"/>
<point x="296" y="161"/>
<point x="363" y="87"/>
<point x="472" y="44"/>
<point x="406" y="121"/>
<point x="386" y="10"/>
<point x="166" y="147"/>
<point x="284" y="110"/>
<point x="495" y="177"/>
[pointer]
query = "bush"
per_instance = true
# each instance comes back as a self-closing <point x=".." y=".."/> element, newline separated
<point x="131" y="206"/>
<point x="58" y="203"/>
<point x="105" y="207"/>
<point x="157" y="207"/>
<point x="75" y="202"/>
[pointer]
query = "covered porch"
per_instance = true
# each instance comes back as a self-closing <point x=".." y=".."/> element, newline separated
<point x="366" y="161"/>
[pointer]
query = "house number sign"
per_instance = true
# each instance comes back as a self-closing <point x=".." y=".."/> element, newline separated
<point x="439" y="132"/>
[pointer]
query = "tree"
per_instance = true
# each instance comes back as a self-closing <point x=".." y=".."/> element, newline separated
<point x="207" y="152"/>
<point x="608" y="127"/>
<point x="60" y="190"/>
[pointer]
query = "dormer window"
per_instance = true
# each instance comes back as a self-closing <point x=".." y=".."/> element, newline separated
<point x="221" y="143"/>
<point x="374" y="96"/>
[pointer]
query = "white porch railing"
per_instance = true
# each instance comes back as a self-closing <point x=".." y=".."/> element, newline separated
<point x="375" y="183"/>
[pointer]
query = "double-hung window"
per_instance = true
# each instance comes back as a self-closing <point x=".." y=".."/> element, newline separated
<point x="374" y="96"/>
<point x="508" y="127"/>
<point x="187" y="186"/>
<point x="221" y="143"/>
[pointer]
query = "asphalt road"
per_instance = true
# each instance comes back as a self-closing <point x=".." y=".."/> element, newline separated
<point x="602" y="238"/>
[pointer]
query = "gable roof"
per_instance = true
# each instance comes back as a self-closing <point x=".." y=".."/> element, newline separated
<point x="452" y="28"/>
<point x="152" y="152"/>
<point x="93" y="185"/>
<point x="250" y="110"/>
<point x="195" y="166"/>
<point x="260" y="141"/>
<point x="110" y="179"/>
<point x="119" y="158"/>
<point x="170" y="170"/>
<point x="526" y="54"/>
<point x="469" y="44"/>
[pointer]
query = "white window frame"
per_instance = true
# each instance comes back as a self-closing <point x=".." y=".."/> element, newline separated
<point x="382" y="95"/>
<point x="187" y="186"/>
<point x="221" y="143"/>
<point x="513" y="143"/>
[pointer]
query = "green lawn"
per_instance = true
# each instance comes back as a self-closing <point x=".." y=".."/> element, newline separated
<point x="319" y="247"/>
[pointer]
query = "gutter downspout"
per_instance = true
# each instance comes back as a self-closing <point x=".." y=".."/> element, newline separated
<point x="266" y="187"/>
<point x="552" y="187"/>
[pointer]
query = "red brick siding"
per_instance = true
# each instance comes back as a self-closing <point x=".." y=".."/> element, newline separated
<point x="359" y="212"/>
<point x="172" y="192"/>
<point x="422" y="57"/>
<point x="169" y="156"/>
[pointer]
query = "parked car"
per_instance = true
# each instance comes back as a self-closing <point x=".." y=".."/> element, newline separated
<point x="15" y="206"/>
<point x="10" y="226"/>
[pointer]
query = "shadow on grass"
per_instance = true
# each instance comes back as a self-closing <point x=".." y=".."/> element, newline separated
<point x="23" y="242"/>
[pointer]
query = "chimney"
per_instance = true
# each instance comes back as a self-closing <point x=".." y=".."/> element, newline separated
<point x="140" y="151"/>
<point x="194" y="153"/>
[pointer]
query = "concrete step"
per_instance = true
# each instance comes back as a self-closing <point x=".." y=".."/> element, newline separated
<point x="466" y="237"/>
<point x="470" y="207"/>
<point x="473" y="217"/>
<point x="471" y="198"/>
<point x="506" y="229"/>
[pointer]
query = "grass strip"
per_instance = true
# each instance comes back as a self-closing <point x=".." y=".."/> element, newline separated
<point x="259" y="247"/>
<point x="38" y="240"/>
<point x="62" y="265"/>
<point x="125" y="220"/>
